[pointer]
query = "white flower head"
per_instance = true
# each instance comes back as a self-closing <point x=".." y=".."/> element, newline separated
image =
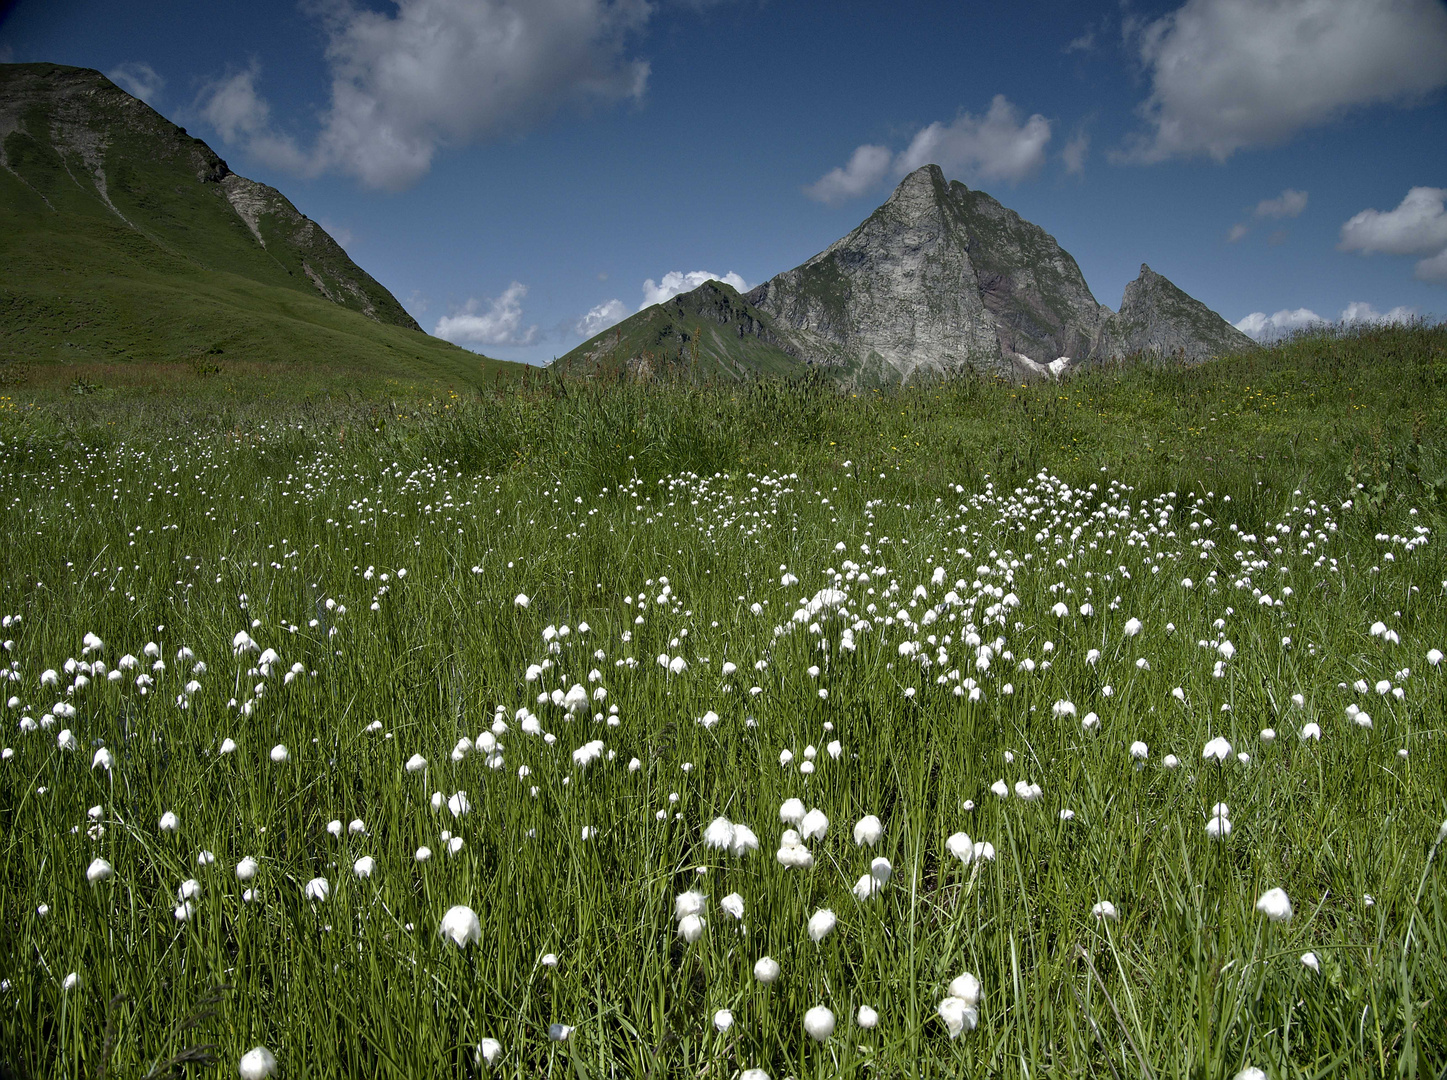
<point x="461" y="926"/>
<point x="766" y="970"/>
<point x="723" y="1019"/>
<point x="967" y="988"/>
<point x="821" y="923"/>
<point x="868" y="830"/>
<point x="258" y="1063"/>
<point x="958" y="1016"/>
<point x="1275" y="905"/>
<point x="733" y="904"/>
<point x="1105" y="911"/>
<point x="819" y="1023"/>
<point x="98" y="870"/>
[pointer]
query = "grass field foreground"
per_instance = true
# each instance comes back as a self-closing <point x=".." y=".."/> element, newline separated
<point x="510" y="735"/>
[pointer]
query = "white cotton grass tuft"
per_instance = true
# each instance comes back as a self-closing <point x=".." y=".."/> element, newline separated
<point x="819" y="1023"/>
<point x="247" y="869"/>
<point x="691" y="928"/>
<point x="317" y="889"/>
<point x="766" y="970"/>
<point x="723" y="1019"/>
<point x="1309" y="961"/>
<point x="719" y="834"/>
<point x="957" y="1016"/>
<point x="821" y="924"/>
<point x="280" y="754"/>
<point x="867" y="1017"/>
<point x="1105" y="911"/>
<point x="791" y="812"/>
<point x="967" y="988"/>
<point x="258" y="1063"/>
<point x="732" y="904"/>
<point x="169" y="822"/>
<point x="868" y="830"/>
<point x="461" y="926"/>
<point x="689" y="903"/>
<point x="488" y="1051"/>
<point x="98" y="870"/>
<point x="814" y="825"/>
<point x="1275" y="905"/>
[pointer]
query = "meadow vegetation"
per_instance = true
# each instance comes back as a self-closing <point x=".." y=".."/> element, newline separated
<point x="458" y="729"/>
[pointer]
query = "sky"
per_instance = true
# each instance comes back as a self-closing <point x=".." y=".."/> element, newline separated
<point x="523" y="173"/>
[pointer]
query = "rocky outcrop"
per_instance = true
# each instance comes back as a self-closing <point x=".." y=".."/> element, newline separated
<point x="943" y="279"/>
<point x="1156" y="319"/>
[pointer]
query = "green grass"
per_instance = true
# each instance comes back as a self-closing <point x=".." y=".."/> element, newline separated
<point x="141" y="517"/>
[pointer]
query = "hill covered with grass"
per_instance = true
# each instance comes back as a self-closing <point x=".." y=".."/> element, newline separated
<point x="123" y="239"/>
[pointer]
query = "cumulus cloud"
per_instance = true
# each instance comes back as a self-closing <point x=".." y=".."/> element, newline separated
<point x="242" y="117"/>
<point x="1268" y="328"/>
<point x="1229" y="74"/>
<point x="423" y="75"/>
<point x="500" y="324"/>
<point x="1289" y="204"/>
<point x="1418" y="226"/>
<point x="1237" y="232"/>
<point x="675" y="282"/>
<point x="995" y="146"/>
<point x="138" y="79"/>
<point x="600" y="318"/>
<point x="867" y="167"/>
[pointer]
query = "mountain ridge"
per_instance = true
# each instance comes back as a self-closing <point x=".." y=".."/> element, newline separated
<point x="944" y="280"/>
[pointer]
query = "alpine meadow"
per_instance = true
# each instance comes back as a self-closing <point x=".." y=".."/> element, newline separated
<point x="1089" y="727"/>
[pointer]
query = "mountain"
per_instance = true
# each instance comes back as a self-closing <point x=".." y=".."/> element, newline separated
<point x="122" y="237"/>
<point x="939" y="280"/>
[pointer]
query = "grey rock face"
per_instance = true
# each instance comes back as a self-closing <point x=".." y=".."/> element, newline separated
<point x="942" y="279"/>
<point x="1158" y="319"/>
<point x="900" y="291"/>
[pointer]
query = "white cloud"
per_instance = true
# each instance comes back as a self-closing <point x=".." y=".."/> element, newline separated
<point x="1433" y="269"/>
<point x="243" y="118"/>
<point x="867" y="167"/>
<point x="138" y="79"/>
<point x="423" y="75"/>
<point x="1237" y="232"/>
<point x="1267" y="328"/>
<point x="1228" y="74"/>
<point x="501" y="324"/>
<point x="1074" y="153"/>
<point x="1289" y="204"/>
<point x="675" y="282"/>
<point x="1418" y="226"/>
<point x="1084" y="43"/>
<point x="1360" y="312"/>
<point x="600" y="318"/>
<point x="996" y="146"/>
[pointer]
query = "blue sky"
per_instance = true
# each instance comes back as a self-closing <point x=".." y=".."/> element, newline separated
<point x="506" y="168"/>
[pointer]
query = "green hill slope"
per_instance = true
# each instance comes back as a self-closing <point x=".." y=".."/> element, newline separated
<point x="123" y="239"/>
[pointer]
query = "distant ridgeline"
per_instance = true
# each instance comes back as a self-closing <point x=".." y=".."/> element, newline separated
<point x="940" y="280"/>
<point x="122" y="237"/>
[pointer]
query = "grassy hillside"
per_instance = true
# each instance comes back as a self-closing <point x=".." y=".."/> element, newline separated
<point x="123" y="239"/>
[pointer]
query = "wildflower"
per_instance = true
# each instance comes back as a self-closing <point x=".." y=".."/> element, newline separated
<point x="1309" y="960"/>
<point x="1311" y="731"/>
<point x="1139" y="751"/>
<point x="461" y="926"/>
<point x="723" y="1020"/>
<point x="257" y="1064"/>
<point x="70" y="981"/>
<point x="766" y="970"/>
<point x="819" y="1023"/>
<point x="66" y="740"/>
<point x="792" y="812"/>
<point x="881" y="869"/>
<point x="335" y="828"/>
<point x="688" y="903"/>
<point x="719" y="834"/>
<point x="1217" y="749"/>
<point x="866" y="887"/>
<point x="364" y="866"/>
<point x="1434" y="657"/>
<point x="98" y="870"/>
<point x="169" y="822"/>
<point x="866" y="1017"/>
<point x="958" y="1016"/>
<point x="549" y="960"/>
<point x="868" y="830"/>
<point x="960" y="847"/>
<point x="1251" y="1072"/>
<point x="1268" y="735"/>
<point x="745" y="840"/>
<point x="488" y="1052"/>
<point x="246" y="869"/>
<point x="1105" y="911"/>
<point x="1090" y="722"/>
<point x="228" y="746"/>
<point x="102" y="759"/>
<point x="967" y="988"/>
<point x="423" y="853"/>
<point x="690" y="928"/>
<point x="521" y="600"/>
<point x="280" y="754"/>
<point x="821" y="923"/>
<point x="733" y="904"/>
<point x="1275" y="905"/>
<point x="559" y="1032"/>
<point x="1132" y="627"/>
<point x="459" y="804"/>
<point x="814" y="825"/>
